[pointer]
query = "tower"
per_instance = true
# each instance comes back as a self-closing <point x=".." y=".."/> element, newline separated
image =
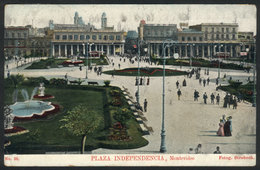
<point x="76" y="18"/>
<point x="103" y="20"/>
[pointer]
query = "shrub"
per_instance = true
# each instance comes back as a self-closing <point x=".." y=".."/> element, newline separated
<point x="234" y="84"/>
<point x="35" y="81"/>
<point x="107" y="83"/>
<point x="122" y="116"/>
<point x="58" y="82"/>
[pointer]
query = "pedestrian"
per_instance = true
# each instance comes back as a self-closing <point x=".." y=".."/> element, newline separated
<point x="217" y="150"/>
<point x="208" y="81"/>
<point x="217" y="99"/>
<point x="66" y="76"/>
<point x="235" y="103"/>
<point x="227" y="128"/>
<point x="179" y="94"/>
<point x="205" y="96"/>
<point x="6" y="66"/>
<point x="205" y="72"/>
<point x="220" y="131"/>
<point x="80" y="68"/>
<point x="225" y="101"/>
<point x="196" y="95"/>
<point x="136" y="81"/>
<point x="216" y="81"/>
<point x="208" y="71"/>
<point x="204" y="82"/>
<point x="8" y="74"/>
<point x="223" y="119"/>
<point x="177" y="84"/>
<point x="113" y="64"/>
<point x="228" y="100"/>
<point x="212" y="97"/>
<point x="184" y="83"/>
<point x="198" y="150"/>
<point x="200" y="81"/>
<point x="119" y="66"/>
<point x="148" y="81"/>
<point x="230" y="120"/>
<point x="145" y="105"/>
<point x="141" y="81"/>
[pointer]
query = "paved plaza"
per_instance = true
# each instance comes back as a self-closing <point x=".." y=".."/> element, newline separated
<point x="187" y="122"/>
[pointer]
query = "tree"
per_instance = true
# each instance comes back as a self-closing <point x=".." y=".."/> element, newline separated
<point x="17" y="79"/>
<point x="81" y="121"/>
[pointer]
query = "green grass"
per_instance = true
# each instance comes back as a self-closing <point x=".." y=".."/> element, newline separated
<point x="200" y="63"/>
<point x="54" y="63"/>
<point x="152" y="71"/>
<point x="46" y="135"/>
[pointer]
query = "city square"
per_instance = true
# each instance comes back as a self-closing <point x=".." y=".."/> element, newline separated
<point x="97" y="56"/>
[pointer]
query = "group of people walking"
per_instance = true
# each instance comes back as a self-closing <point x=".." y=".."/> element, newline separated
<point x="142" y="81"/>
<point x="230" y="100"/>
<point x="225" y="126"/>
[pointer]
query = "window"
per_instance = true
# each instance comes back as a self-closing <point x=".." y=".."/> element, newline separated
<point x="94" y="37"/>
<point x="70" y="37"/>
<point x="111" y="37"/>
<point x="81" y="37"/>
<point x="212" y="36"/>
<point x="200" y="38"/>
<point x="87" y="37"/>
<point x="217" y="36"/>
<point x="194" y="38"/>
<point x="64" y="37"/>
<point x="217" y="29"/>
<point x="24" y="35"/>
<point x="12" y="35"/>
<point x="183" y="38"/>
<point x="57" y="37"/>
<point x="248" y="37"/>
<point x="189" y="38"/>
<point x="234" y="29"/>
<point x="222" y="36"/>
<point x="206" y="29"/>
<point x="212" y="29"/>
<point x="76" y="37"/>
<point x="100" y="37"/>
<point x="19" y="35"/>
<point x="118" y="37"/>
<point x="223" y="29"/>
<point x="233" y="36"/>
<point x="105" y="37"/>
<point x="227" y="36"/>
<point x="227" y="29"/>
<point x="206" y="36"/>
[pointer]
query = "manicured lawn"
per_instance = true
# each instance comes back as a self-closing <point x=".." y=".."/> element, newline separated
<point x="246" y="91"/>
<point x="146" y="72"/>
<point x="200" y="63"/>
<point x="54" y="63"/>
<point x="46" y="135"/>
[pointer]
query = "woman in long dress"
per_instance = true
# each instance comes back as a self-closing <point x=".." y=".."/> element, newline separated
<point x="227" y="128"/>
<point x="221" y="129"/>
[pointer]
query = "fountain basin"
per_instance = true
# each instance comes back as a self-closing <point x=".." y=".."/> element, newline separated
<point x="45" y="97"/>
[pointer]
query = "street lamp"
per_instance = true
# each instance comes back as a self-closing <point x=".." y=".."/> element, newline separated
<point x="166" y="44"/>
<point x="219" y="46"/>
<point x="140" y="42"/>
<point x="193" y="47"/>
<point x="254" y="78"/>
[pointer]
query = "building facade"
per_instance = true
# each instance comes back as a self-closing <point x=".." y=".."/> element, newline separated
<point x="203" y="40"/>
<point x="16" y="41"/>
<point x="69" y="39"/>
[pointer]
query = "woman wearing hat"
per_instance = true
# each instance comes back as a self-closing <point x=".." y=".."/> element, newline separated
<point x="220" y="131"/>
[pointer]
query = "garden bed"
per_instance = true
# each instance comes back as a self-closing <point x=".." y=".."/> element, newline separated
<point x="153" y="71"/>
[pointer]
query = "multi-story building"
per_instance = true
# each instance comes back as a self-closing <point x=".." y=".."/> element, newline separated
<point x="16" y="41"/>
<point x="131" y="42"/>
<point x="204" y="40"/>
<point x="71" y="39"/>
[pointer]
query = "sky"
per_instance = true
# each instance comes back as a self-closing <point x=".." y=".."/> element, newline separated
<point x="127" y="17"/>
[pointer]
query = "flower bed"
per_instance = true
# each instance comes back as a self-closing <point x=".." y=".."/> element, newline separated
<point x="67" y="62"/>
<point x="45" y="97"/>
<point x="35" y="116"/>
<point x="15" y="131"/>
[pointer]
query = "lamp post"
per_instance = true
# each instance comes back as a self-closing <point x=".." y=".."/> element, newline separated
<point x="254" y="78"/>
<point x="86" y="59"/>
<point x="166" y="44"/>
<point x="219" y="47"/>
<point x="140" y="42"/>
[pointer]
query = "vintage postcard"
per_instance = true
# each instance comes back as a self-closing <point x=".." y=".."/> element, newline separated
<point x="130" y="85"/>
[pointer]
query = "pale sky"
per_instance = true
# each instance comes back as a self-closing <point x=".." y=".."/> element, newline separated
<point x="128" y="16"/>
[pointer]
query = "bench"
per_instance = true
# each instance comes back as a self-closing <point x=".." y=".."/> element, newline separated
<point x="136" y="114"/>
<point x="75" y="82"/>
<point x="92" y="83"/>
<point x="143" y="128"/>
<point x="139" y="120"/>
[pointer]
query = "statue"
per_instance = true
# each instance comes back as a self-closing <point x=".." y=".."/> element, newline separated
<point x="8" y="118"/>
<point x="41" y="89"/>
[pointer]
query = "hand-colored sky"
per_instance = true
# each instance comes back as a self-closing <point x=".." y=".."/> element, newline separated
<point x="127" y="17"/>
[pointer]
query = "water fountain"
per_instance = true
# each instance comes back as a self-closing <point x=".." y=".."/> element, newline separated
<point x="30" y="107"/>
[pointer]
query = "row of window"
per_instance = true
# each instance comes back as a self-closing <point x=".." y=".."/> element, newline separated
<point x="87" y="37"/>
<point x="15" y="35"/>
<point x="191" y="38"/>
<point x="162" y="33"/>
<point x="222" y="36"/>
<point x="218" y="29"/>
